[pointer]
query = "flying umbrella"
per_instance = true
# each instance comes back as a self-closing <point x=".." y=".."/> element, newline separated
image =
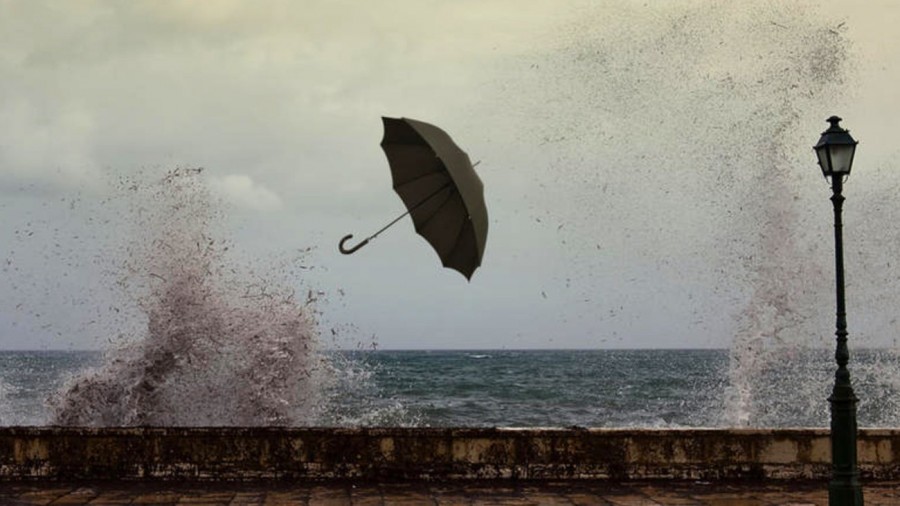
<point x="442" y="193"/>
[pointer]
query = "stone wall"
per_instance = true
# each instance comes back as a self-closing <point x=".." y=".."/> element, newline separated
<point x="56" y="453"/>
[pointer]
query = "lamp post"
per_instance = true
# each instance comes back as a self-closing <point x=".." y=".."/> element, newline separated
<point x="835" y="151"/>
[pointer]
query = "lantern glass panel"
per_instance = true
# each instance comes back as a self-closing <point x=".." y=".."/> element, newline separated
<point x="841" y="156"/>
<point x="822" y="153"/>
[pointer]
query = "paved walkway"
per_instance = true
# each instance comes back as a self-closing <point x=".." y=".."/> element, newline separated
<point x="438" y="494"/>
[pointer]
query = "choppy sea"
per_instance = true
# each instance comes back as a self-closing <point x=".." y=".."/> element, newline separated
<point x="589" y="388"/>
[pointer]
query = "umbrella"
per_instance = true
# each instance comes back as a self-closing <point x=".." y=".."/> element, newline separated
<point x="441" y="191"/>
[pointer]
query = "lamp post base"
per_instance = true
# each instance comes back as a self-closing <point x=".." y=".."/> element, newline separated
<point x="844" y="488"/>
<point x="845" y="494"/>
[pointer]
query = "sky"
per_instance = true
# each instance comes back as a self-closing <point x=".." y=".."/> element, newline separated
<point x="647" y="165"/>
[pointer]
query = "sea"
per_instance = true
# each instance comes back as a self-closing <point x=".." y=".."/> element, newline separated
<point x="524" y="388"/>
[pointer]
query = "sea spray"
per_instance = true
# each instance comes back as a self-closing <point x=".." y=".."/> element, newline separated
<point x="785" y="266"/>
<point x="681" y="141"/>
<point x="4" y="401"/>
<point x="221" y="345"/>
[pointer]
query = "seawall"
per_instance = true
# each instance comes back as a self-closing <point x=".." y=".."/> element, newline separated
<point x="243" y="454"/>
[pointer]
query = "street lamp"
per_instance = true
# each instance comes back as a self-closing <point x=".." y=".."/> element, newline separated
<point x="835" y="151"/>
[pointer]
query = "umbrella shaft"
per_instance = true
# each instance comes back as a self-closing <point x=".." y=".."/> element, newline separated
<point x="411" y="209"/>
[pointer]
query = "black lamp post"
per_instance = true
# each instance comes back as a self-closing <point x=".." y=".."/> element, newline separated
<point x="835" y="151"/>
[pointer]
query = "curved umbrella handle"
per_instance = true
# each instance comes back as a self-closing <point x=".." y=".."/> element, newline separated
<point x="351" y="250"/>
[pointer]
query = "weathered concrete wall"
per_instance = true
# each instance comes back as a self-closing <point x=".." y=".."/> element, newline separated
<point x="421" y="453"/>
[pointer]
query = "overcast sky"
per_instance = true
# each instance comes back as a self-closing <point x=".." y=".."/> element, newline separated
<point x="647" y="165"/>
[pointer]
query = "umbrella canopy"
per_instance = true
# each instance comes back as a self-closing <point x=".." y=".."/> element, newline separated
<point x="439" y="186"/>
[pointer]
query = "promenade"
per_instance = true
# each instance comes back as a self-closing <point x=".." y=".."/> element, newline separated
<point x="414" y="493"/>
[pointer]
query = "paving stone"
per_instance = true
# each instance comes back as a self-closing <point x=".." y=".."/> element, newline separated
<point x="549" y="499"/>
<point x="367" y="501"/>
<point x="248" y="499"/>
<point x="329" y="496"/>
<point x="453" y="500"/>
<point x="411" y="500"/>
<point x="79" y="496"/>
<point x="156" y="498"/>
<point x="287" y="498"/>
<point x="37" y="496"/>
<point x="196" y="496"/>
<point x="817" y="500"/>
<point x="110" y="501"/>
<point x="366" y="496"/>
<point x="877" y="501"/>
<point x="205" y="502"/>
<point x="671" y="498"/>
<point x="732" y="500"/>
<point x="630" y="500"/>
<point x="111" y="498"/>
<point x="503" y="501"/>
<point x="586" y="499"/>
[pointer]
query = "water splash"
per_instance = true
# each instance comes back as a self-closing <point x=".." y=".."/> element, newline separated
<point x="681" y="136"/>
<point x="5" y="389"/>
<point x="216" y="349"/>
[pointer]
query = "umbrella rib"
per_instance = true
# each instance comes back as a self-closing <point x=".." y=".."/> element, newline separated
<point x="438" y="208"/>
<point x="458" y="235"/>
<point x="423" y="176"/>
<point x="411" y="209"/>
